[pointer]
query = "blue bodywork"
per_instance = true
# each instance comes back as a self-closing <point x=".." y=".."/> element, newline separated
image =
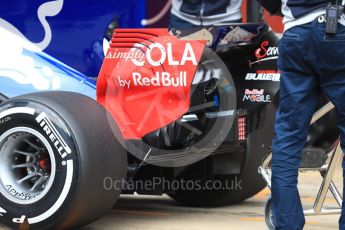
<point x="74" y="51"/>
<point x="41" y="73"/>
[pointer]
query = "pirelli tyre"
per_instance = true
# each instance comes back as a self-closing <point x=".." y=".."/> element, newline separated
<point x="234" y="188"/>
<point x="269" y="214"/>
<point x="56" y="149"/>
<point x="220" y="190"/>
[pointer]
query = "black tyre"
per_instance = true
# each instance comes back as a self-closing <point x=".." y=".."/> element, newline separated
<point x="269" y="214"/>
<point x="218" y="191"/>
<point x="56" y="149"/>
<point x="232" y="189"/>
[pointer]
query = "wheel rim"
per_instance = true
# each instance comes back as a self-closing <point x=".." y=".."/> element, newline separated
<point x="269" y="214"/>
<point x="27" y="165"/>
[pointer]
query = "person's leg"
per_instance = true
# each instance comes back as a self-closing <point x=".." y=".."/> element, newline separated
<point x="334" y="87"/>
<point x="178" y="23"/>
<point x="299" y="96"/>
<point x="332" y="72"/>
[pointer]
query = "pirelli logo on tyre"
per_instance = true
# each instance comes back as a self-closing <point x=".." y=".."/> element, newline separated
<point x="54" y="136"/>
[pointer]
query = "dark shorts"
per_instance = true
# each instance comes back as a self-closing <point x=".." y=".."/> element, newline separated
<point x="178" y="23"/>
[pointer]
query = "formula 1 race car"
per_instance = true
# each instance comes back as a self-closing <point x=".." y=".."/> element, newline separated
<point x="192" y="108"/>
<point x="195" y="106"/>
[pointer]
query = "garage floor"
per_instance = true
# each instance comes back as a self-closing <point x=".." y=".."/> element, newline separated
<point x="162" y="213"/>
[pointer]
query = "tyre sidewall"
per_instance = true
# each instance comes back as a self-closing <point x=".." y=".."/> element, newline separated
<point x="50" y="208"/>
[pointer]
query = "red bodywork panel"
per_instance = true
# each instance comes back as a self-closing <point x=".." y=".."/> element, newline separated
<point x="146" y="78"/>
